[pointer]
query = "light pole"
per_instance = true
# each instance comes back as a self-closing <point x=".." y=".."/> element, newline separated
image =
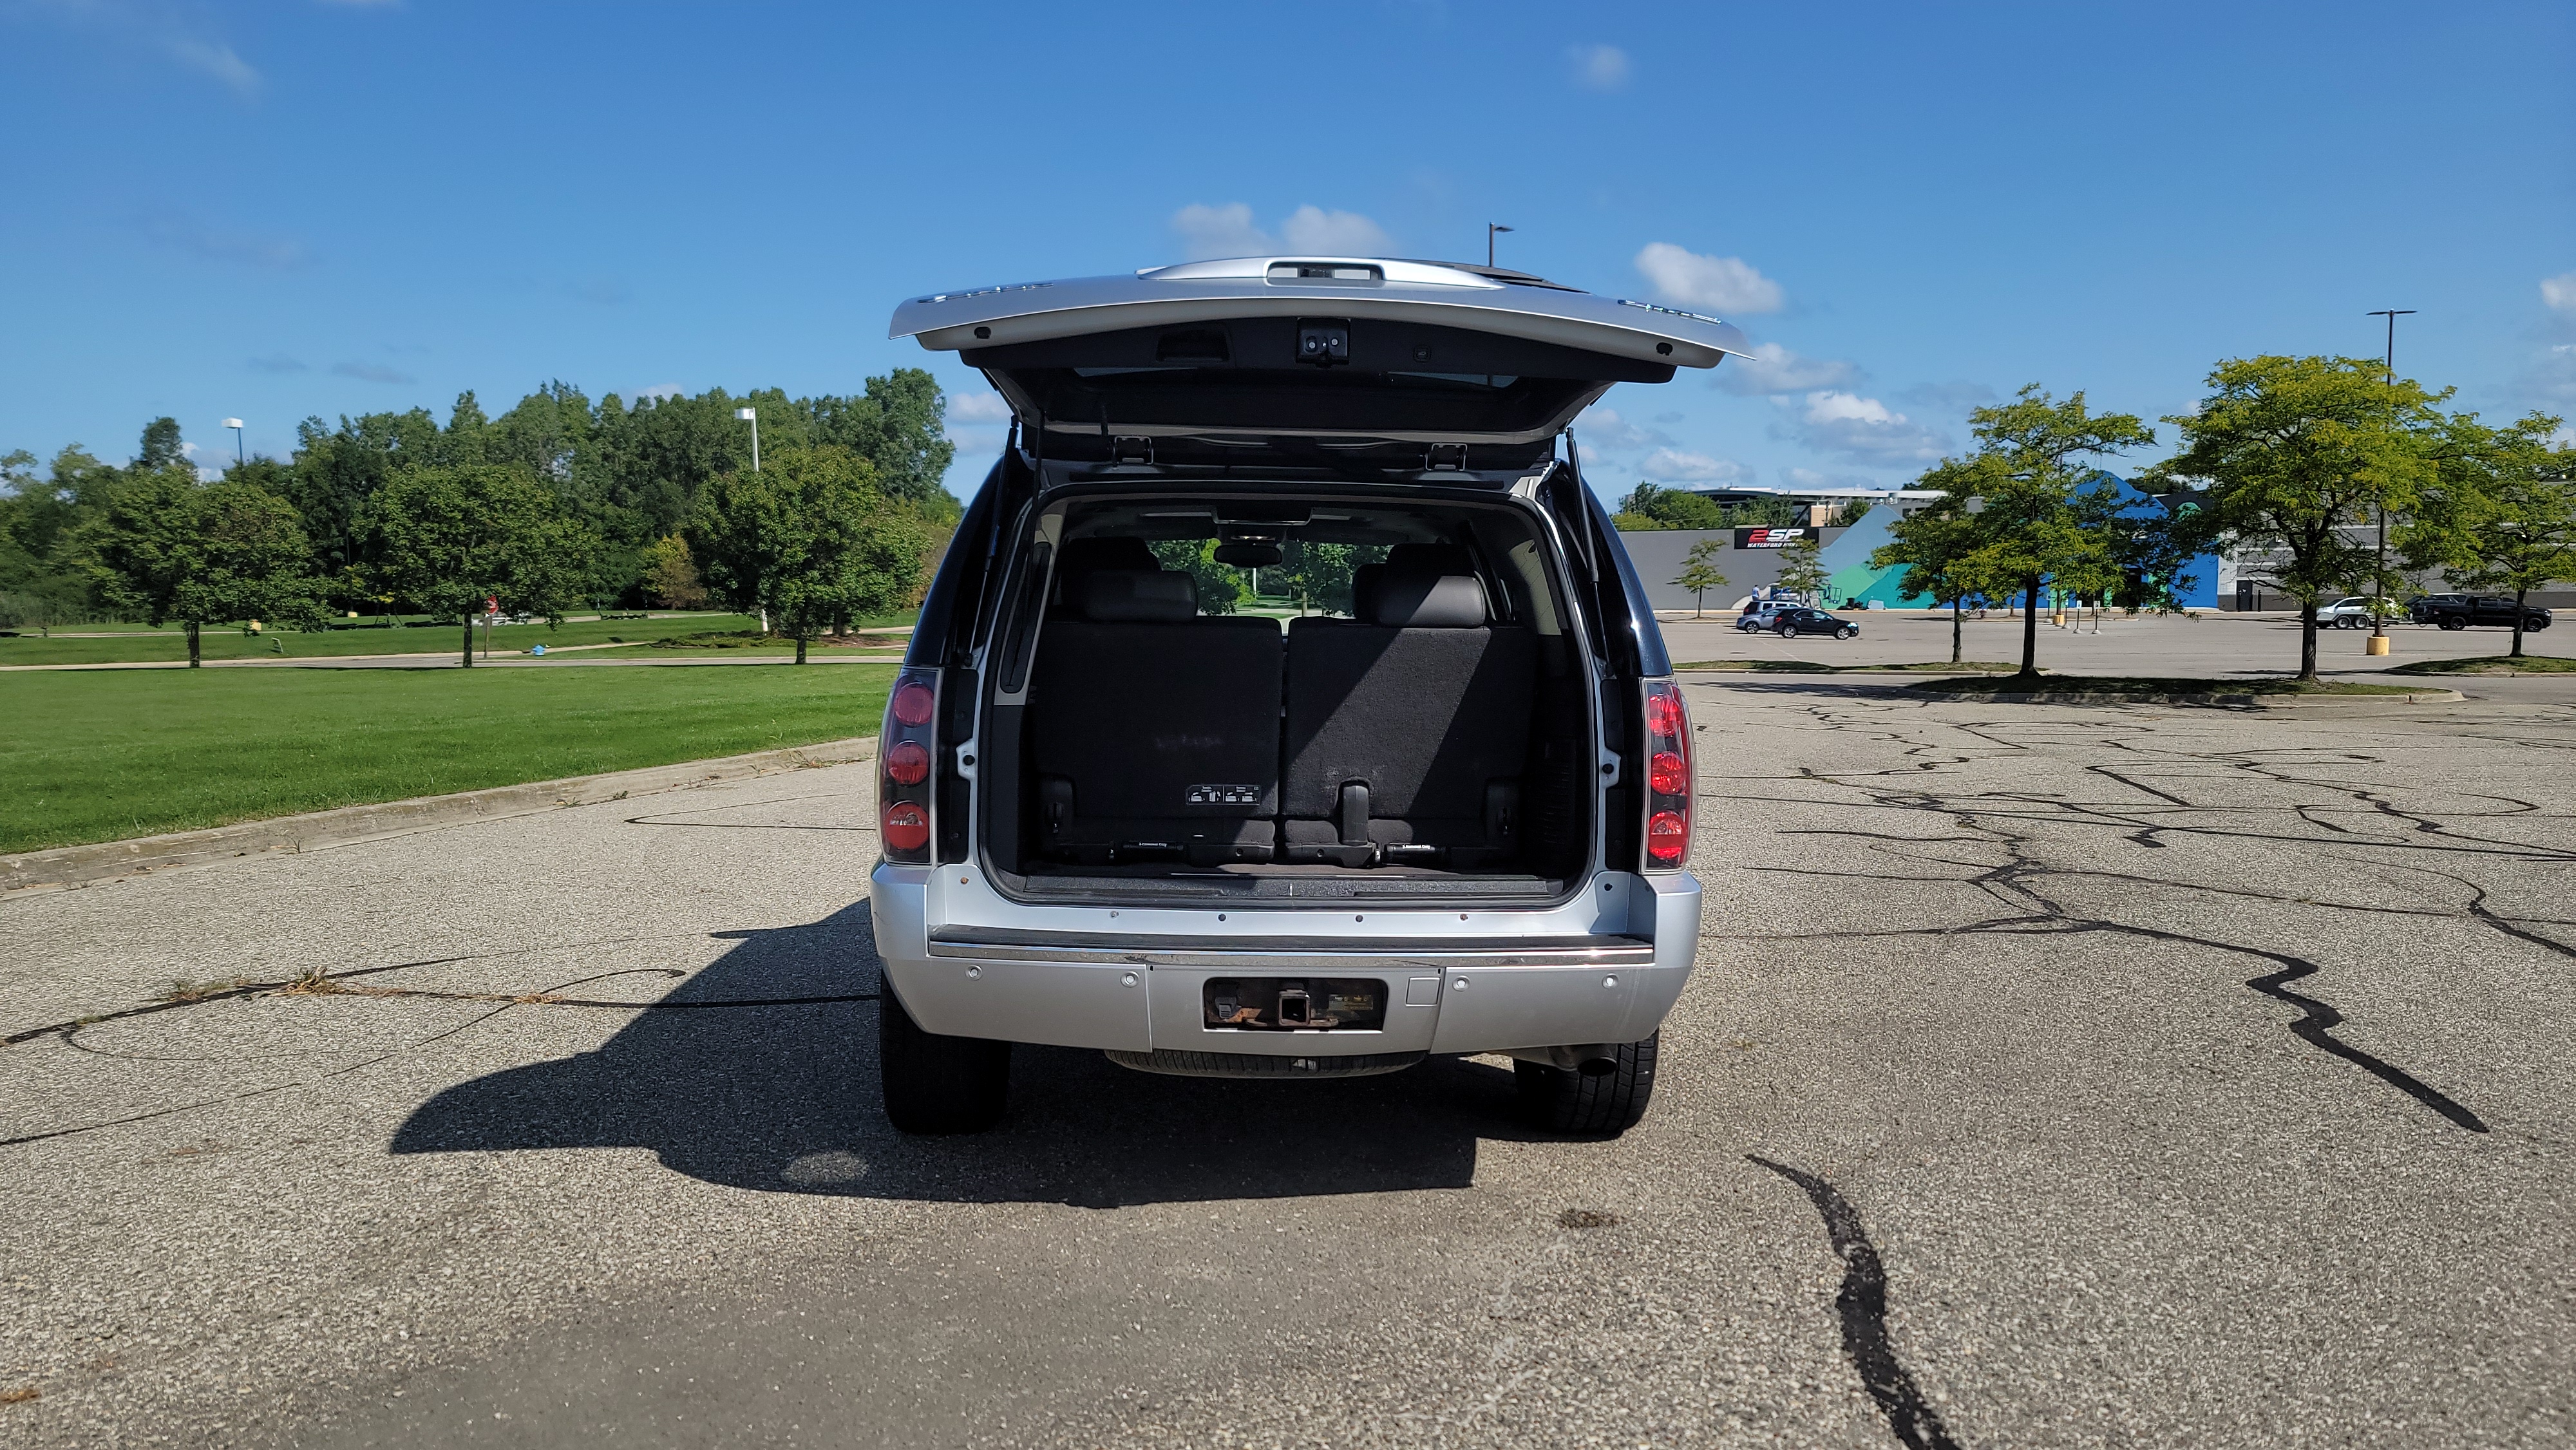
<point x="2379" y="583"/>
<point x="235" y="424"/>
<point x="752" y="416"/>
<point x="1490" y="229"/>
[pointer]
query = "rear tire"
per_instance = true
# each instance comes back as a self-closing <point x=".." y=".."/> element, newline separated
<point x="2455" y="623"/>
<point x="1555" y="1100"/>
<point x="1846" y="634"/>
<point x="936" y="1084"/>
<point x="1788" y="631"/>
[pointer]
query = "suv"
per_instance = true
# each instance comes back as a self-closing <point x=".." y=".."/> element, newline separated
<point x="1762" y="614"/>
<point x="1802" y="620"/>
<point x="2459" y="611"/>
<point x="1448" y="814"/>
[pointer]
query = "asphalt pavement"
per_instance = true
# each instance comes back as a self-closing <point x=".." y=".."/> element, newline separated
<point x="2052" y="1077"/>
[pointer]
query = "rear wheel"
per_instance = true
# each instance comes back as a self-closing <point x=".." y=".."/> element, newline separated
<point x="1589" y="1105"/>
<point x="2455" y="622"/>
<point x="1846" y="632"/>
<point x="938" y="1084"/>
<point x="1788" y="630"/>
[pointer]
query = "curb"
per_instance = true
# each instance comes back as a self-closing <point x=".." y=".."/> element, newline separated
<point x="2216" y="701"/>
<point x="68" y="866"/>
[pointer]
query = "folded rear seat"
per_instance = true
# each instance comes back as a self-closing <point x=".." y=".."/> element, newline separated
<point x="1154" y="733"/>
<point x="1407" y="731"/>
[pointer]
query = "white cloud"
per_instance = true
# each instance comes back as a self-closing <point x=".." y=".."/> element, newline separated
<point x="1672" y="465"/>
<point x="1810" y="478"/>
<point x="1219" y="231"/>
<point x="661" y="390"/>
<point x="1229" y="231"/>
<point x="1334" y="233"/>
<point x="1722" y="284"/>
<point x="1775" y="369"/>
<point x="183" y="233"/>
<point x="2559" y="292"/>
<point x="1863" y="430"/>
<point x="371" y="372"/>
<point x="1599" y="67"/>
<point x="1602" y="429"/>
<point x="214" y="58"/>
<point x="978" y="408"/>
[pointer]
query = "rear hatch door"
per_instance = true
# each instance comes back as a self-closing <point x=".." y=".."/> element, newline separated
<point x="1299" y="355"/>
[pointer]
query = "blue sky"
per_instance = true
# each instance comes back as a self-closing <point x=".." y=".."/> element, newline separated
<point x="307" y="207"/>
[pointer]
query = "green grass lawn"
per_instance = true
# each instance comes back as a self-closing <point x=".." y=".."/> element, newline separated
<point x="140" y="643"/>
<point x="104" y="755"/>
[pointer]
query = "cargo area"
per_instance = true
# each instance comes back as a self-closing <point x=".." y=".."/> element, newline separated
<point x="1290" y="699"/>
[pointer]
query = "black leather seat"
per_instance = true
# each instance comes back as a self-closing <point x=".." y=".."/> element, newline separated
<point x="1154" y="732"/>
<point x="1407" y="731"/>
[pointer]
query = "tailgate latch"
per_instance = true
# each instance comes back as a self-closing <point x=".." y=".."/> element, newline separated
<point x="1446" y="458"/>
<point x="1128" y="448"/>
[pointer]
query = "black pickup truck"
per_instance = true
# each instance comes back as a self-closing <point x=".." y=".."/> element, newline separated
<point x="2459" y="611"/>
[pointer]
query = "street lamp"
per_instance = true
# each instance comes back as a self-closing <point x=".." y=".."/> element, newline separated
<point x="235" y="424"/>
<point x="2379" y="585"/>
<point x="752" y="416"/>
<point x="1490" y="229"/>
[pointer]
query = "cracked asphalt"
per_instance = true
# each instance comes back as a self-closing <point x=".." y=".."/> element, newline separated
<point x="2052" y="1077"/>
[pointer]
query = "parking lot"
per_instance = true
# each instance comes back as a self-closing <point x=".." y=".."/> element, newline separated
<point x="2051" y="1077"/>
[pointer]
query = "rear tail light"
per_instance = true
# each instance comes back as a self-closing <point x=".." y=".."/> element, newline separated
<point x="1668" y="777"/>
<point x="903" y="765"/>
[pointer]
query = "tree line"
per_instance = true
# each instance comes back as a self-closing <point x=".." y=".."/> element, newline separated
<point x="556" y="504"/>
<point x="2283" y="454"/>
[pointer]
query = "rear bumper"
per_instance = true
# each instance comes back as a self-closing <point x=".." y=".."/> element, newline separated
<point x="1102" y="985"/>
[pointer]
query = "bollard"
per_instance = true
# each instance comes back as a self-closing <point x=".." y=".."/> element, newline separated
<point x="2377" y="644"/>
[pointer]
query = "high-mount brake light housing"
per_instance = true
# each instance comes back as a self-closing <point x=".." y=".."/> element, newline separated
<point x="1668" y="777"/>
<point x="905" y="746"/>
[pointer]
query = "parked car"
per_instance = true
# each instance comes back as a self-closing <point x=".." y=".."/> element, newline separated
<point x="2459" y="611"/>
<point x="1762" y="614"/>
<point x="2352" y="612"/>
<point x="1790" y="623"/>
<point x="1212" y="846"/>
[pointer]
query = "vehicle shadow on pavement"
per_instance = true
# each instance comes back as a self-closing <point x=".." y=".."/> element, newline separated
<point x="760" y="1073"/>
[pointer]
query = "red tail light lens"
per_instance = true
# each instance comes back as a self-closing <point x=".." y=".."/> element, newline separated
<point x="913" y="702"/>
<point x="907" y="827"/>
<point x="904" y="759"/>
<point x="908" y="763"/>
<point x="1668" y="776"/>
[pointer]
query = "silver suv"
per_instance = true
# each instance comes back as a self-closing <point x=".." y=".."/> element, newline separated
<point x="1434" y="800"/>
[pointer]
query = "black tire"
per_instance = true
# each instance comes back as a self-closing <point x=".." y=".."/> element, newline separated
<point x="935" y="1084"/>
<point x="2455" y="622"/>
<point x="1847" y="634"/>
<point x="1580" y="1105"/>
<point x="1788" y="631"/>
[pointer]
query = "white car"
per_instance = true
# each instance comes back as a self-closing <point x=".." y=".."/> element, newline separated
<point x="2350" y="612"/>
<point x="1452" y="818"/>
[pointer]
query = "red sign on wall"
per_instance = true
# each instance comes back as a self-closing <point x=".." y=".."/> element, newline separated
<point x="1768" y="538"/>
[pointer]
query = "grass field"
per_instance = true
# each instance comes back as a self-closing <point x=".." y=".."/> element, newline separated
<point x="100" y="756"/>
<point x="123" y="643"/>
<point x="2529" y="664"/>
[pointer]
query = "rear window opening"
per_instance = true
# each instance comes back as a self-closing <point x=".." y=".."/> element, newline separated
<point x="1313" y="699"/>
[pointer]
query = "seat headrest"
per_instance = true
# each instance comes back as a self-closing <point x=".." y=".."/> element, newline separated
<point x="1409" y="600"/>
<point x="1083" y="556"/>
<point x="1116" y="596"/>
<point x="1430" y="559"/>
<point x="1364" y="590"/>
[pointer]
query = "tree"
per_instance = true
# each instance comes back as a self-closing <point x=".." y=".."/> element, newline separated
<point x="160" y="448"/>
<point x="167" y="547"/>
<point x="671" y="576"/>
<point x="445" y="538"/>
<point x="2022" y="512"/>
<point x="1699" y="575"/>
<point x="1221" y="587"/>
<point x="1934" y="546"/>
<point x="2500" y="512"/>
<point x="2286" y="452"/>
<point x="1801" y="571"/>
<point x="809" y="541"/>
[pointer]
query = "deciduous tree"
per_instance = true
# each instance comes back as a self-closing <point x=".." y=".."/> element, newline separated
<point x="2500" y="512"/>
<point x="445" y="538"/>
<point x="167" y="547"/>
<point x="809" y="542"/>
<point x="1699" y="573"/>
<point x="2287" y="452"/>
